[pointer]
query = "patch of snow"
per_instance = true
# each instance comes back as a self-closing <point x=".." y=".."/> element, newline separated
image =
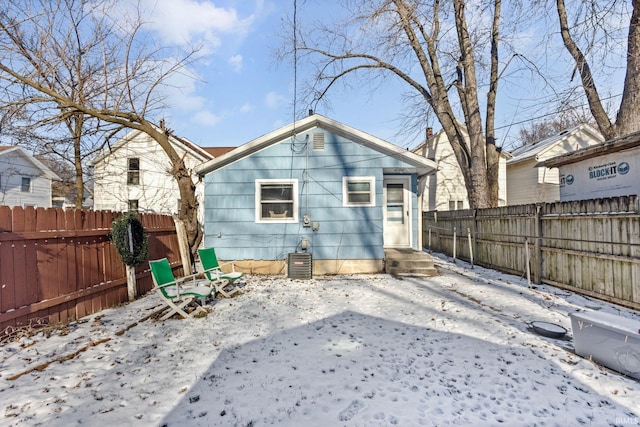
<point x="351" y="350"/>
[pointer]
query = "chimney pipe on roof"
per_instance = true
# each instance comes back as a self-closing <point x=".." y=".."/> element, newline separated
<point x="429" y="132"/>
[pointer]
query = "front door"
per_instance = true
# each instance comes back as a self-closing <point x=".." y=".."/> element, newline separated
<point x="396" y="196"/>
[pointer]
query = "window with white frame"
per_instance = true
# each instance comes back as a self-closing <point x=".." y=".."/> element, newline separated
<point x="358" y="191"/>
<point x="277" y="200"/>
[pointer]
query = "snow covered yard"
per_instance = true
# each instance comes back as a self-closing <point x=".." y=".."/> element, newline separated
<point x="361" y="350"/>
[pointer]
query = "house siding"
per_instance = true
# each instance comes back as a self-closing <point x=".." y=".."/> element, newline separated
<point x="13" y="167"/>
<point x="447" y="184"/>
<point x="528" y="184"/>
<point x="157" y="191"/>
<point x="531" y="183"/>
<point x="345" y="233"/>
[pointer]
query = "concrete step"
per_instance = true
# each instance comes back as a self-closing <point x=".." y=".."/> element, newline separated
<point x="408" y="262"/>
<point x="406" y="254"/>
<point x="422" y="272"/>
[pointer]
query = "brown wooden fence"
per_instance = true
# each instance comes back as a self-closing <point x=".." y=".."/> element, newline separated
<point x="58" y="265"/>
<point x="591" y="246"/>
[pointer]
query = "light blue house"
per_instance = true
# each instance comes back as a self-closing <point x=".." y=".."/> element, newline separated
<point x="315" y="186"/>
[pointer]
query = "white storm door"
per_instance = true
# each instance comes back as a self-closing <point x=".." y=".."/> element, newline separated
<point x="396" y="197"/>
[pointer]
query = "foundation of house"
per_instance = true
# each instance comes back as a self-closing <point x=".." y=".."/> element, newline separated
<point x="400" y="262"/>
<point x="320" y="267"/>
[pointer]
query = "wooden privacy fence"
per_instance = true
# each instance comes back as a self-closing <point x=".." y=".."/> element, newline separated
<point x="591" y="246"/>
<point x="58" y="265"/>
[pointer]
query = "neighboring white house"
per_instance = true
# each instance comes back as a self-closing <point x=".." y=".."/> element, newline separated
<point x="446" y="189"/>
<point x="529" y="180"/>
<point x="24" y="180"/>
<point x="134" y="174"/>
<point x="607" y="170"/>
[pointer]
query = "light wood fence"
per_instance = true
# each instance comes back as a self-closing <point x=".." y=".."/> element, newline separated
<point x="591" y="246"/>
<point x="58" y="265"/>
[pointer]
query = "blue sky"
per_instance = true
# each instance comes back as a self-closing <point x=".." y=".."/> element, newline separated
<point x="242" y="92"/>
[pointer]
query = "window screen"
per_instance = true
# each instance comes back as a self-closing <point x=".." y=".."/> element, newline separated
<point x="276" y="201"/>
<point x="358" y="191"/>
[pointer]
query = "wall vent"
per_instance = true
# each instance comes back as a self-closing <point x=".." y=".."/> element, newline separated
<point x="299" y="266"/>
<point x="318" y="141"/>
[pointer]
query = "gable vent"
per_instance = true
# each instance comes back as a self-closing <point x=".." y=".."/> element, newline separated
<point x="318" y="141"/>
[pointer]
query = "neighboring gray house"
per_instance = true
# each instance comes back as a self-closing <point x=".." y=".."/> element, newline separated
<point x="529" y="181"/>
<point x="343" y="194"/>
<point x="609" y="169"/>
<point x="24" y="180"/>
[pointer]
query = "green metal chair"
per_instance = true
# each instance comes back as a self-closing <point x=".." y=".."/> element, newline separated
<point x="178" y="294"/>
<point x="223" y="282"/>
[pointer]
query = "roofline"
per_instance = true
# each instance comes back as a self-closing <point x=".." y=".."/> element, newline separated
<point x="620" y="143"/>
<point x="585" y="126"/>
<point x="133" y="133"/>
<point x="47" y="172"/>
<point x="423" y="165"/>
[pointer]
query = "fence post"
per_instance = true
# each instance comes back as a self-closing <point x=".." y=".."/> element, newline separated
<point x="475" y="230"/>
<point x="537" y="274"/>
<point x="470" y="247"/>
<point x="526" y="255"/>
<point x="454" y="245"/>
<point x="131" y="270"/>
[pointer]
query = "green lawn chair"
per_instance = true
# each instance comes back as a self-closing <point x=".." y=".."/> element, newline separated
<point x="181" y="293"/>
<point x="223" y="282"/>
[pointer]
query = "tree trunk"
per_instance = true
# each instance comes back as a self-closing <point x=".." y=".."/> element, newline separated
<point x="77" y="161"/>
<point x="628" y="119"/>
<point x="589" y="86"/>
<point x="468" y="89"/>
<point x="493" y="153"/>
<point x="188" y="213"/>
<point x="493" y="172"/>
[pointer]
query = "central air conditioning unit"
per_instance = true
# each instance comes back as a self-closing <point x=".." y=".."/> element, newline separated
<point x="299" y="266"/>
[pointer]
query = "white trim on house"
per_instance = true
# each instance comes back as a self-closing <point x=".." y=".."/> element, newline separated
<point x="422" y="165"/>
<point x="48" y="173"/>
<point x="276" y="218"/>
<point x="132" y="135"/>
<point x="543" y="149"/>
<point x="371" y="180"/>
<point x="529" y="181"/>
<point x="398" y="230"/>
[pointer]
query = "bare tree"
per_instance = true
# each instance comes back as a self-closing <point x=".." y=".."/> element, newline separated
<point x="430" y="46"/>
<point x="591" y="23"/>
<point x="74" y="63"/>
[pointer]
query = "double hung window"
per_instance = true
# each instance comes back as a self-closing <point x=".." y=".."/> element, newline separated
<point x="277" y="200"/>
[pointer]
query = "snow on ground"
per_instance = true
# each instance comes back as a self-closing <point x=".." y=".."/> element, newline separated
<point x="359" y="350"/>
